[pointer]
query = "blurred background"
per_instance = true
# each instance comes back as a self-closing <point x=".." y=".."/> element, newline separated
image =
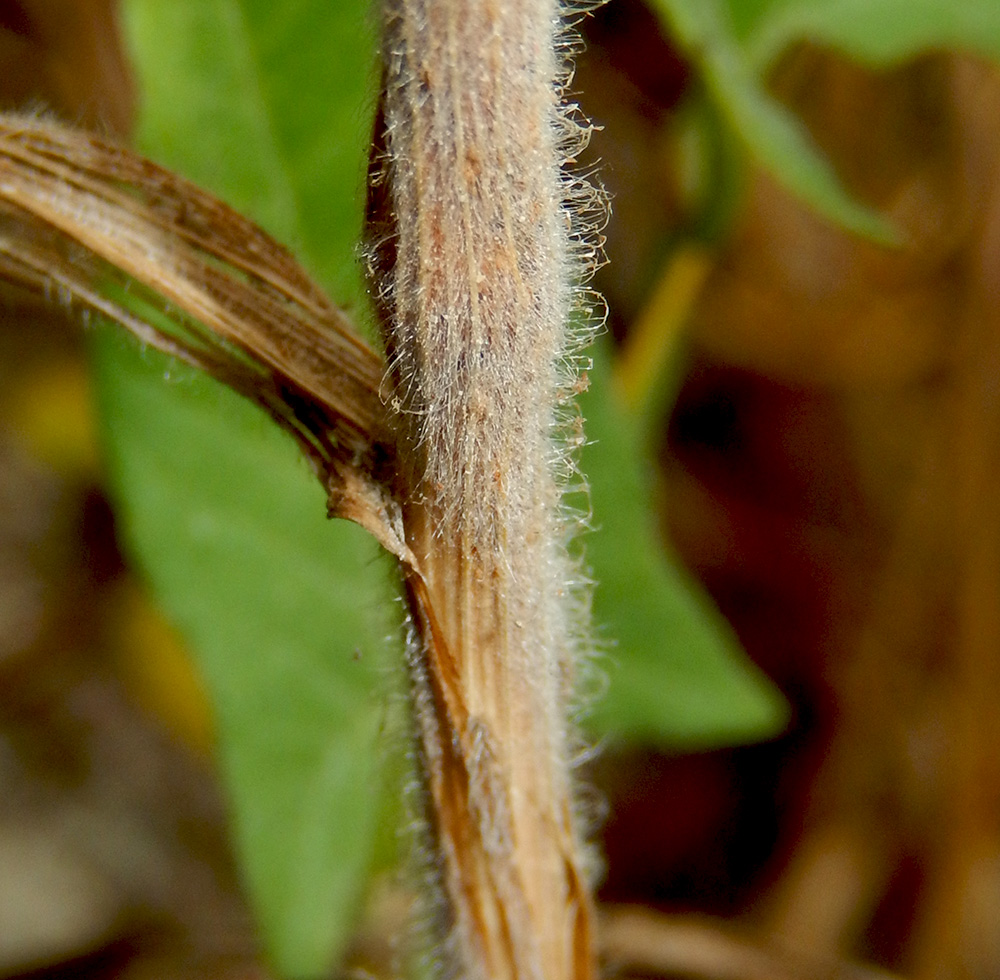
<point x="824" y="413"/>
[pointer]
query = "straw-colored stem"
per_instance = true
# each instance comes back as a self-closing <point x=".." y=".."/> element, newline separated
<point x="476" y="307"/>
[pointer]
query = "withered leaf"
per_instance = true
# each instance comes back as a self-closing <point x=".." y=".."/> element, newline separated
<point x="115" y="234"/>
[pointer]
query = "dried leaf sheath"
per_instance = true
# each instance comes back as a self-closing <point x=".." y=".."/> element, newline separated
<point x="78" y="216"/>
<point x="472" y="250"/>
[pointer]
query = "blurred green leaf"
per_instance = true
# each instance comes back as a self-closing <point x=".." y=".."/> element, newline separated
<point x="279" y="605"/>
<point x="266" y="104"/>
<point x="876" y="32"/>
<point x="677" y="675"/>
<point x="735" y="43"/>
<point x="706" y="29"/>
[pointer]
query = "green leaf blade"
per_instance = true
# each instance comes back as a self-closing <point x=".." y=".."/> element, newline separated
<point x="677" y="676"/>
<point x="266" y="105"/>
<point x="275" y="601"/>
<point x="708" y="30"/>
<point x="879" y="33"/>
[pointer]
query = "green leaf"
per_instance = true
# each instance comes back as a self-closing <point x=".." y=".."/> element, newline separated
<point x="270" y="106"/>
<point x="876" y="32"/>
<point x="267" y="105"/>
<point x="677" y="675"/>
<point x="279" y="606"/>
<point x="735" y="42"/>
<point x="772" y="135"/>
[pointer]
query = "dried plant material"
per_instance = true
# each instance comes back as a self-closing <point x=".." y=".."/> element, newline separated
<point x="106" y="230"/>
<point x="649" y="943"/>
<point x="472" y="248"/>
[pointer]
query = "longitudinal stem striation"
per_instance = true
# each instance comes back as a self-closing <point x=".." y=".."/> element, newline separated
<point x="474" y="257"/>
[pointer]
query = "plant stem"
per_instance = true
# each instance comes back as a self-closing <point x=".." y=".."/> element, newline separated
<point x="475" y="298"/>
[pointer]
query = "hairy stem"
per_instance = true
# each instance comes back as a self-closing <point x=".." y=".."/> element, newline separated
<point x="475" y="296"/>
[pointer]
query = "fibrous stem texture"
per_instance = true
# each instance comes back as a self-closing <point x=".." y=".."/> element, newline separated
<point x="475" y="299"/>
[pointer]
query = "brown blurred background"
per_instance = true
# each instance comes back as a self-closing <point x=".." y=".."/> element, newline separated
<point x="830" y="472"/>
<point x="113" y="853"/>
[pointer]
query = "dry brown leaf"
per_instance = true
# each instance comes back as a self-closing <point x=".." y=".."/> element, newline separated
<point x="104" y="230"/>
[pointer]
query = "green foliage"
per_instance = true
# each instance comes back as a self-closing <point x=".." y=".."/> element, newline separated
<point x="677" y="676"/>
<point x="281" y="607"/>
<point x="269" y="105"/>
<point x="735" y="43"/>
<point x="876" y="32"/>
<point x="228" y="521"/>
